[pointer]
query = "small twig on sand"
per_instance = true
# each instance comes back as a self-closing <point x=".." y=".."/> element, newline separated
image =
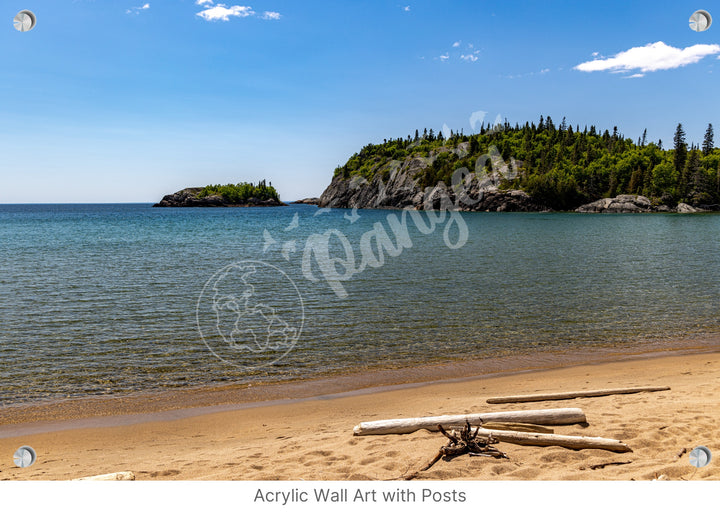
<point x="603" y="465"/>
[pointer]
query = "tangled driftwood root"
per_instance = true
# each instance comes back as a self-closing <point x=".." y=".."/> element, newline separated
<point x="463" y="441"/>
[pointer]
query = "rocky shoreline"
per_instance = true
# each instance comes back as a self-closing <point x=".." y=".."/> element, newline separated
<point x="307" y="201"/>
<point x="632" y="204"/>
<point x="189" y="198"/>
<point x="401" y="191"/>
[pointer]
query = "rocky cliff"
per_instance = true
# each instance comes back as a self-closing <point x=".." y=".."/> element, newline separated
<point x="398" y="188"/>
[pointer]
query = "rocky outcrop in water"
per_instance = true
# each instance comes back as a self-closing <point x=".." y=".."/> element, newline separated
<point x="189" y="198"/>
<point x="624" y="204"/>
<point x="307" y="201"/>
<point x="631" y="204"/>
<point x="684" y="208"/>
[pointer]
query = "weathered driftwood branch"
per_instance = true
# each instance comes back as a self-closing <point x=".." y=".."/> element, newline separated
<point x="563" y="416"/>
<point x="537" y="397"/>
<point x="569" y="442"/>
<point x="115" y="476"/>
<point x="462" y="441"/>
<point x="518" y="426"/>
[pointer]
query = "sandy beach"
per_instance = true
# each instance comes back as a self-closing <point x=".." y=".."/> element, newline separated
<point x="312" y="438"/>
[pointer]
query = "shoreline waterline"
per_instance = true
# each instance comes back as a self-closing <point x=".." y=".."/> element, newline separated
<point x="169" y="405"/>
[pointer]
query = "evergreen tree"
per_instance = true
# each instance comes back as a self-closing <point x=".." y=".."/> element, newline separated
<point x="708" y="142"/>
<point x="644" y="138"/>
<point x="680" y="148"/>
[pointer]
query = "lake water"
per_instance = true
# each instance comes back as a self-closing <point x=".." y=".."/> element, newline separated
<point x="113" y="299"/>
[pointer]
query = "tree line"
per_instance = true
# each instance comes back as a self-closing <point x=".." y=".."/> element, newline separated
<point x="241" y="192"/>
<point x="560" y="166"/>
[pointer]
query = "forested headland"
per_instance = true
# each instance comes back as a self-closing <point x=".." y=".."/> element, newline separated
<point x="559" y="166"/>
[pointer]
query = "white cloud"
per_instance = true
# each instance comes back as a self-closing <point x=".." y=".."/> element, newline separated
<point x="650" y="58"/>
<point x="270" y="15"/>
<point x="544" y="70"/>
<point x="456" y="44"/>
<point x="469" y="57"/>
<point x="136" y="10"/>
<point x="406" y="8"/>
<point x="444" y="57"/>
<point x="203" y="2"/>
<point x="222" y="12"/>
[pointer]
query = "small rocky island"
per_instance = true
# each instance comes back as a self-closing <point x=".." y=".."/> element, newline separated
<point x="238" y="195"/>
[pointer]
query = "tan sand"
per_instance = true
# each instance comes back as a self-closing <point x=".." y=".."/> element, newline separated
<point x="313" y="439"/>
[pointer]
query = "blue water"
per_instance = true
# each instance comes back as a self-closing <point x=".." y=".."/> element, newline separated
<point x="112" y="299"/>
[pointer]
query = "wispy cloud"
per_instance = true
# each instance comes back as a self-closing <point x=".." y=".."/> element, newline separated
<point x="650" y="58"/>
<point x="527" y="74"/>
<point x="136" y="10"/>
<point x="453" y="55"/>
<point x="223" y="13"/>
<point x="406" y="8"/>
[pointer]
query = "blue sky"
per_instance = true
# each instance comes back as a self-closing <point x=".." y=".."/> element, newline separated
<point x="124" y="101"/>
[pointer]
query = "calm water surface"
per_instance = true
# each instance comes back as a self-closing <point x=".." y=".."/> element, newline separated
<point x="102" y="299"/>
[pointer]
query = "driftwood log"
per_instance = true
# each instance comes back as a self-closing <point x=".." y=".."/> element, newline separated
<point x="115" y="476"/>
<point x="537" y="397"/>
<point x="518" y="426"/>
<point x="563" y="416"/>
<point x="542" y="439"/>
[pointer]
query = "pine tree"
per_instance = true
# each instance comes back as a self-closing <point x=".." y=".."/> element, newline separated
<point x="417" y="135"/>
<point x="474" y="146"/>
<point x="680" y="148"/>
<point x="644" y="138"/>
<point x="708" y="143"/>
<point x="693" y="175"/>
